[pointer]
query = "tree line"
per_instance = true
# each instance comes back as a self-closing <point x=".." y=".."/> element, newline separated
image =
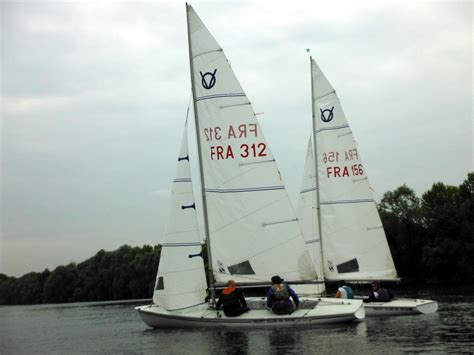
<point x="431" y="240"/>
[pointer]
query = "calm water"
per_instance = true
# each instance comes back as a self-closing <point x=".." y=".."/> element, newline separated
<point x="112" y="328"/>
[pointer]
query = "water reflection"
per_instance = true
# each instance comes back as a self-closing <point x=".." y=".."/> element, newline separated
<point x="283" y="341"/>
<point x="230" y="342"/>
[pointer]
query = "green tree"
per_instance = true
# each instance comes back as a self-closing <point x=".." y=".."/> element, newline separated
<point x="400" y="212"/>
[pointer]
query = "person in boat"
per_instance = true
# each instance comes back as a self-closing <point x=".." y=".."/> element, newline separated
<point x="278" y="297"/>
<point x="344" y="291"/>
<point x="233" y="301"/>
<point x="379" y="294"/>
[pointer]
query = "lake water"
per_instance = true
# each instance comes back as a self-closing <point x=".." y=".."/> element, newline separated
<point x="117" y="328"/>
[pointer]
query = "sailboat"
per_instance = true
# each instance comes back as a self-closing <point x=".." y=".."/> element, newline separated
<point x="250" y="229"/>
<point x="337" y="210"/>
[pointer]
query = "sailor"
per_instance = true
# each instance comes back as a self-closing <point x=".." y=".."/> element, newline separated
<point x="278" y="297"/>
<point x="344" y="291"/>
<point x="379" y="294"/>
<point x="233" y="300"/>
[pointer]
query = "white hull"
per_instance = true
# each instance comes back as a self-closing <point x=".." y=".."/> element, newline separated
<point x="400" y="307"/>
<point x="311" y="311"/>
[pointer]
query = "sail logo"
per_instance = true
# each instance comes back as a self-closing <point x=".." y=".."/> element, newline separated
<point x="327" y="115"/>
<point x="208" y="80"/>
<point x="221" y="266"/>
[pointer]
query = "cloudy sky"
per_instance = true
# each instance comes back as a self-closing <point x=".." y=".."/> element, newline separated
<point x="94" y="96"/>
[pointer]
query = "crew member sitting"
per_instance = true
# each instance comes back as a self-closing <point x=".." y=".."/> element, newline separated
<point x="233" y="300"/>
<point x="379" y="294"/>
<point x="278" y="297"/>
<point x="344" y="291"/>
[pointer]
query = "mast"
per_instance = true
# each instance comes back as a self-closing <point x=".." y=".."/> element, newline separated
<point x="201" y="173"/>
<point x="318" y="206"/>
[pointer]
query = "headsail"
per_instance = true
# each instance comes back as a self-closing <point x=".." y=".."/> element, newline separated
<point x="354" y="242"/>
<point x="181" y="281"/>
<point x="307" y="211"/>
<point x="253" y="229"/>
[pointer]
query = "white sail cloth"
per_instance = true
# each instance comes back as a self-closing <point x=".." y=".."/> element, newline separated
<point x="353" y="240"/>
<point x="253" y="229"/>
<point x="181" y="280"/>
<point x="307" y="211"/>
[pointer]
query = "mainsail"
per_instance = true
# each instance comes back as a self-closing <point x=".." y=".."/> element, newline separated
<point x="253" y="231"/>
<point x="353" y="240"/>
<point x="181" y="281"/>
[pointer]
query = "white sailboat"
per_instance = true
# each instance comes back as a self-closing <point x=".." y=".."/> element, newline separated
<point x="250" y="227"/>
<point x="337" y="211"/>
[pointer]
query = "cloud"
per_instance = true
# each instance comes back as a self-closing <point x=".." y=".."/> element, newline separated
<point x="94" y="97"/>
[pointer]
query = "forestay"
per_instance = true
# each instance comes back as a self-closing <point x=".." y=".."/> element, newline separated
<point x="181" y="281"/>
<point x="253" y="229"/>
<point x="354" y="242"/>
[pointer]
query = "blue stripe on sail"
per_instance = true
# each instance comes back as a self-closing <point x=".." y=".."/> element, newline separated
<point x="308" y="190"/>
<point x="246" y="189"/>
<point x="216" y="96"/>
<point x="312" y="241"/>
<point x="343" y="202"/>
<point x="182" y="180"/>
<point x="332" y="128"/>
<point x="191" y="244"/>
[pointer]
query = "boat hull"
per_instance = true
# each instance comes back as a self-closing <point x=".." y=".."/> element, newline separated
<point x="324" y="311"/>
<point x="400" y="307"/>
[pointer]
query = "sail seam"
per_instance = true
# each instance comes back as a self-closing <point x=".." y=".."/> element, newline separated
<point x="342" y="202"/>
<point x="218" y="96"/>
<point x="312" y="241"/>
<point x="248" y="189"/>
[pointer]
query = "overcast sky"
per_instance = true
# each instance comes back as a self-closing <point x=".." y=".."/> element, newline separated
<point x="94" y="96"/>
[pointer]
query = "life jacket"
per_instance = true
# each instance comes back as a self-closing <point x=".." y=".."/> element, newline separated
<point x="229" y="298"/>
<point x="383" y="295"/>
<point x="349" y="292"/>
<point x="280" y="292"/>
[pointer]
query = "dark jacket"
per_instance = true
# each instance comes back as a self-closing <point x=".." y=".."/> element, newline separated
<point x="380" y="295"/>
<point x="273" y="302"/>
<point x="233" y="301"/>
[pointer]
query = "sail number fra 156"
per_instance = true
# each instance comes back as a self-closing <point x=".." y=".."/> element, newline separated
<point x="336" y="164"/>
